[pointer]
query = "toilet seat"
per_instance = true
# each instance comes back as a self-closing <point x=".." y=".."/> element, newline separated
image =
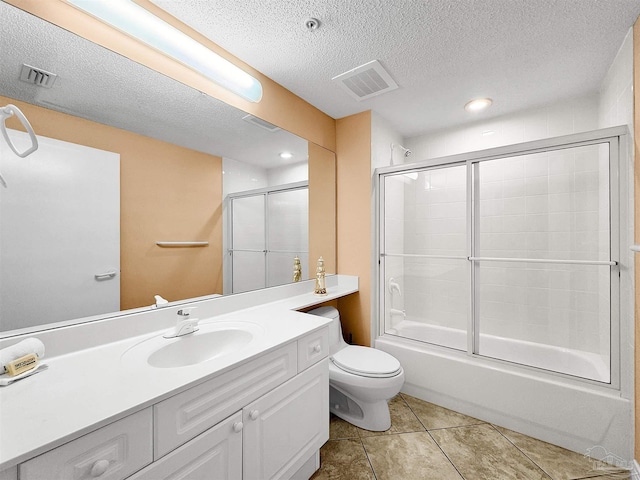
<point x="366" y="362"/>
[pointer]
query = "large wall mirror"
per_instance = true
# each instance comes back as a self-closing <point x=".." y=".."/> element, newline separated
<point x="135" y="179"/>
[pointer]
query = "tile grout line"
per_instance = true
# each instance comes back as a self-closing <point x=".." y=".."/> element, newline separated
<point x="521" y="451"/>
<point x="431" y="436"/>
<point x="366" y="454"/>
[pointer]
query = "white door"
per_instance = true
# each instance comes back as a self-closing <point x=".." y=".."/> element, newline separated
<point x="59" y="233"/>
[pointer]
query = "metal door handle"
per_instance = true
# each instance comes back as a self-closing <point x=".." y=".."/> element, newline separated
<point x="106" y="275"/>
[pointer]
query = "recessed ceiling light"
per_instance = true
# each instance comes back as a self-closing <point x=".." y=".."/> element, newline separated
<point x="478" y="104"/>
<point x="286" y="155"/>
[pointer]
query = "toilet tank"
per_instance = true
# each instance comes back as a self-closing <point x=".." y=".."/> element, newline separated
<point x="336" y="341"/>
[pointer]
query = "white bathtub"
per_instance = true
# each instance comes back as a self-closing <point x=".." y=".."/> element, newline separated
<point x="560" y="409"/>
<point x="557" y="359"/>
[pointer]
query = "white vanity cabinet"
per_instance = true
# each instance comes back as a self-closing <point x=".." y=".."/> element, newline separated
<point x="263" y="419"/>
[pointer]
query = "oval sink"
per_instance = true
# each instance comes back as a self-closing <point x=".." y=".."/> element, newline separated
<point x="210" y="341"/>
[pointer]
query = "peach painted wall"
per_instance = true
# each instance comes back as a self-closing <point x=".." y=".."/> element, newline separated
<point x="322" y="209"/>
<point x="166" y="193"/>
<point x="636" y="90"/>
<point x="278" y="105"/>
<point x="353" y="150"/>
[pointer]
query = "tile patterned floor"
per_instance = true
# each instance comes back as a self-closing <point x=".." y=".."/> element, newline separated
<point x="426" y="441"/>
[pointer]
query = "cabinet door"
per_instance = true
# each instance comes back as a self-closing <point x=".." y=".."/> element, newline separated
<point x="111" y="453"/>
<point x="183" y="416"/>
<point x="215" y="454"/>
<point x="283" y="428"/>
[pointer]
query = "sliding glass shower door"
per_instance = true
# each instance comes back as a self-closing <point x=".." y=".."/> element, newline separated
<point x="268" y="229"/>
<point x="510" y="256"/>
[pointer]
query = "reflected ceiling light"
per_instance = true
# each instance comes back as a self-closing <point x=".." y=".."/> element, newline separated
<point x="141" y="24"/>
<point x="286" y="155"/>
<point x="478" y="104"/>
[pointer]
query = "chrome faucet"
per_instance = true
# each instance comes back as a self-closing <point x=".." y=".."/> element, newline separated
<point x="185" y="324"/>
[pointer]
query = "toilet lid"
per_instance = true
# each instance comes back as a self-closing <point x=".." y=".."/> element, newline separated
<point x="366" y="362"/>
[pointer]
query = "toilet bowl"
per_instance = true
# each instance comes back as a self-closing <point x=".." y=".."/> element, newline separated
<point x="362" y="380"/>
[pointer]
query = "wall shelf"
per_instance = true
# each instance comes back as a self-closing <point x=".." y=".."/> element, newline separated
<point x="182" y="244"/>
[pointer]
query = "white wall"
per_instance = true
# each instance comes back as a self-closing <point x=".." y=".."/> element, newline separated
<point x="297" y="172"/>
<point x="562" y="118"/>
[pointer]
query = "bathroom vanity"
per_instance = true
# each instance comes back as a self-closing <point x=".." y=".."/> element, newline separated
<point x="256" y="411"/>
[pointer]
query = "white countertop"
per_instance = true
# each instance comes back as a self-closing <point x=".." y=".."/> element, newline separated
<point x="86" y="389"/>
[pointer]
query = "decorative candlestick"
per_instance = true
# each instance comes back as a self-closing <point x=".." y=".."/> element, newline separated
<point x="321" y="288"/>
<point x="297" y="269"/>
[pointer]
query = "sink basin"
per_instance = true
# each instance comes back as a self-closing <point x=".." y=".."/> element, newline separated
<point x="210" y="341"/>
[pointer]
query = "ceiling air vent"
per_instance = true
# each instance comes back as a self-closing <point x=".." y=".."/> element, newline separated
<point x="258" y="122"/>
<point x="366" y="81"/>
<point x="37" y="76"/>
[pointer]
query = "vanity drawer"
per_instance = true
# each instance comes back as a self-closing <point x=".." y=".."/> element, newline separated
<point x="117" y="450"/>
<point x="186" y="415"/>
<point x="312" y="348"/>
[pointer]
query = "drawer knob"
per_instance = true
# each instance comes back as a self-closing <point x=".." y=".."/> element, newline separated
<point x="238" y="426"/>
<point x="317" y="348"/>
<point x="99" y="468"/>
<point x="254" y="414"/>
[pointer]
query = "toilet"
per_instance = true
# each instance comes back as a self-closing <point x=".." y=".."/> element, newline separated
<point x="361" y="379"/>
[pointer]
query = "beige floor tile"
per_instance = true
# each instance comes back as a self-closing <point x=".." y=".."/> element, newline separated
<point x="559" y="463"/>
<point x="343" y="460"/>
<point x="433" y="416"/>
<point x="403" y="420"/>
<point x="408" y="456"/>
<point x="339" y="428"/>
<point x="480" y="452"/>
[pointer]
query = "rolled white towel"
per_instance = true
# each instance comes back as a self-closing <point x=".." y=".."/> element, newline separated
<point x="20" y="349"/>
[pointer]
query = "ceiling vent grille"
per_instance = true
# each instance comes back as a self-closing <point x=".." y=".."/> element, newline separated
<point x="366" y="81"/>
<point x="37" y="76"/>
<point x="258" y="122"/>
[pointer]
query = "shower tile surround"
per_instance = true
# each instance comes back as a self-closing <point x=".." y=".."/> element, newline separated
<point x="428" y="441"/>
<point x="552" y="205"/>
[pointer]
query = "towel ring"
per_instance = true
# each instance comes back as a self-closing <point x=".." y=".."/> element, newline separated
<point x="7" y="112"/>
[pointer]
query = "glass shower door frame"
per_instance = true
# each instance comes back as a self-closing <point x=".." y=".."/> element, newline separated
<point x="265" y="192"/>
<point x="615" y="137"/>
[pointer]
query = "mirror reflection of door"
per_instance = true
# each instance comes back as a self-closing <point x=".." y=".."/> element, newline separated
<point x="269" y="228"/>
<point x="60" y="234"/>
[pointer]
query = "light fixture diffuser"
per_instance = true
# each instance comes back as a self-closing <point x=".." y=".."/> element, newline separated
<point x="478" y="104"/>
<point x="139" y="23"/>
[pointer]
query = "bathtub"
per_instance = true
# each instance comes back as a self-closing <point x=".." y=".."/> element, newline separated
<point x="556" y="359"/>
<point x="560" y="409"/>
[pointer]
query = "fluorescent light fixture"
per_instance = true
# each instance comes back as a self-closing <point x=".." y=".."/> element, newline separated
<point x="286" y="155"/>
<point x="478" y="104"/>
<point x="141" y="24"/>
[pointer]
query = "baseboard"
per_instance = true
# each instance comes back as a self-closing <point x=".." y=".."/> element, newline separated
<point x="635" y="473"/>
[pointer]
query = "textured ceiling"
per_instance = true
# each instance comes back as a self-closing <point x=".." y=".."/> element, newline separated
<point x="521" y="53"/>
<point x="442" y="53"/>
